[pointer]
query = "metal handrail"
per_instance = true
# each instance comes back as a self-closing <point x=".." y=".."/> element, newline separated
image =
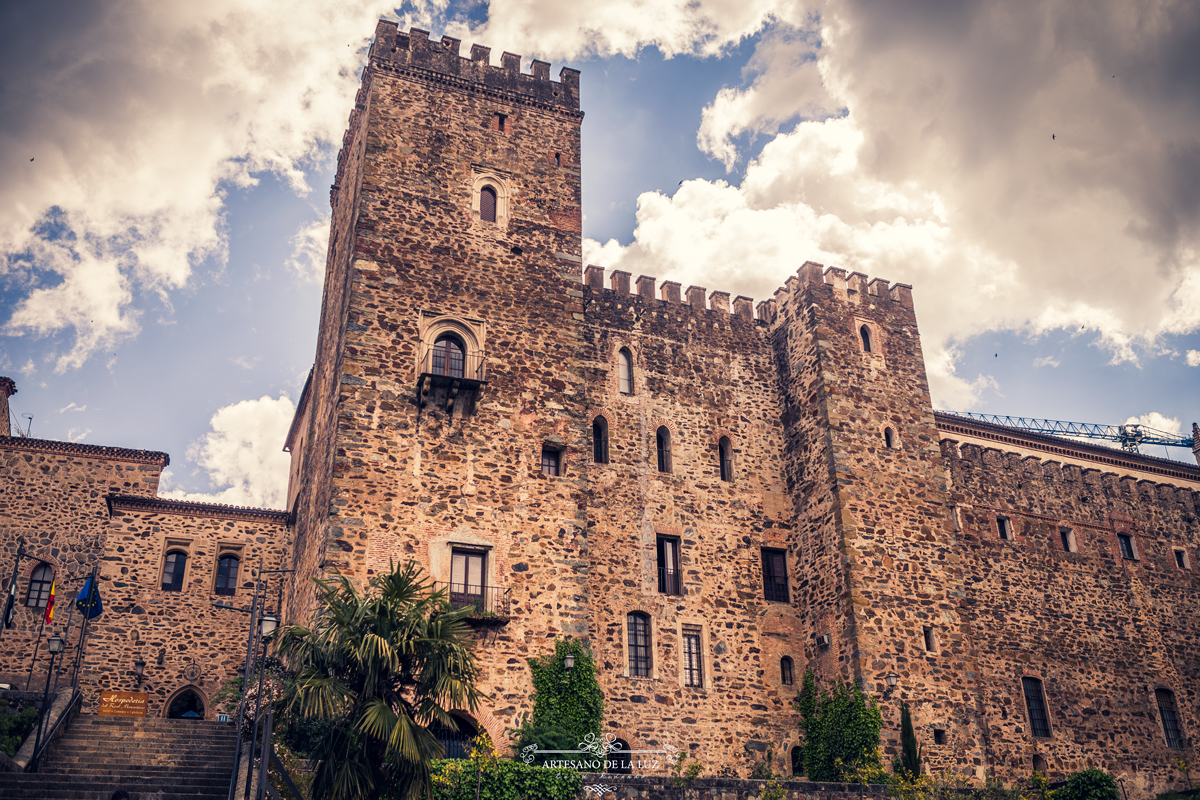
<point x="435" y="364"/>
<point x="670" y="581"/>
<point x="485" y="599"/>
<point x="70" y="711"/>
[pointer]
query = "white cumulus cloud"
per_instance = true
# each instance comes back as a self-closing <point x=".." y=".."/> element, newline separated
<point x="243" y="455"/>
<point x="1193" y="358"/>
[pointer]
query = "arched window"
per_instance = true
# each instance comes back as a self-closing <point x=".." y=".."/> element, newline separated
<point x="787" y="675"/>
<point x="173" y="569"/>
<point x="1170" y="719"/>
<point x="487" y="204"/>
<point x="227" y="573"/>
<point x="639" y="644"/>
<point x="889" y="439"/>
<point x="600" y="440"/>
<point x="725" y="455"/>
<point x="620" y="762"/>
<point x="865" y="333"/>
<point x="449" y="356"/>
<point x="625" y="370"/>
<point x="39" y="586"/>
<point x="662" y="440"/>
<point x="797" y="760"/>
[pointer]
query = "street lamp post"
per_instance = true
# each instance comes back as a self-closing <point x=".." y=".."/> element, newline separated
<point x="55" y="645"/>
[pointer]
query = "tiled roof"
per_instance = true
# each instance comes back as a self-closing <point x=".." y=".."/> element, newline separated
<point x="156" y="505"/>
<point x="85" y="450"/>
<point x="1056" y="445"/>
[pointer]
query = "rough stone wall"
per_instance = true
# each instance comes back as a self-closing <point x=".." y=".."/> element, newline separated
<point x="703" y="374"/>
<point x="411" y="474"/>
<point x="1102" y="632"/>
<point x="185" y="641"/>
<point x="52" y="497"/>
<point x="877" y="550"/>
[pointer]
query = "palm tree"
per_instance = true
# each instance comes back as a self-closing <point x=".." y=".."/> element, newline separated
<point x="377" y="669"/>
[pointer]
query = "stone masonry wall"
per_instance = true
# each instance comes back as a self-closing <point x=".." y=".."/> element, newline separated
<point x="52" y="498"/>
<point x="185" y="641"/>
<point x="1100" y="631"/>
<point x="703" y="373"/>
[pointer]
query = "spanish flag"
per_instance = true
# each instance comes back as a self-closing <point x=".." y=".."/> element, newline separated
<point x="50" y="604"/>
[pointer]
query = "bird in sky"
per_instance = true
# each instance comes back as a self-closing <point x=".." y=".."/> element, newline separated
<point x="1052" y="136"/>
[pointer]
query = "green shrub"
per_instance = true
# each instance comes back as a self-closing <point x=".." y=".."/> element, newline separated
<point x="15" y="727"/>
<point x="841" y="726"/>
<point x="503" y="780"/>
<point x="568" y="701"/>
<point x="910" y="752"/>
<point x="1090" y="784"/>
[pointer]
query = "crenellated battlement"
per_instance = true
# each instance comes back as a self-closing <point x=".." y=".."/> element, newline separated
<point x="414" y="50"/>
<point x="854" y="287"/>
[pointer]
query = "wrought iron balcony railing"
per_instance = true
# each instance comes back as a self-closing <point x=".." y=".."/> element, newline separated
<point x="486" y="600"/>
<point x="669" y="581"/>
<point x="439" y="364"/>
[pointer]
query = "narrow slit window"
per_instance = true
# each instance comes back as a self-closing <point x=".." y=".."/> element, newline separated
<point x="487" y="204"/>
<point x="725" y="456"/>
<point x="669" y="578"/>
<point x="939" y="736"/>
<point x="1067" y="537"/>
<point x="1005" y="526"/>
<point x="639" y="644"/>
<point x="889" y="438"/>
<point x="501" y="121"/>
<point x="1170" y="719"/>
<point x="1126" y="543"/>
<point x="930" y="639"/>
<point x="600" y="440"/>
<point x="787" y="672"/>
<point x="662" y="441"/>
<point x="1035" y="704"/>
<point x="865" y="333"/>
<point x="693" y="664"/>
<point x="558" y="159"/>
<point x="551" y="461"/>
<point x="40" y="583"/>
<point x="625" y="371"/>
<point x="1181" y="559"/>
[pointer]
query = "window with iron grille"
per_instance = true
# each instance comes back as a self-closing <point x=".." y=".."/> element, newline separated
<point x="39" y="586"/>
<point x="600" y="440"/>
<point x="787" y="672"/>
<point x="1126" y="543"/>
<point x="639" y="644"/>
<point x="725" y="455"/>
<point x="551" y="461"/>
<point x="227" y="573"/>
<point x="625" y="371"/>
<point x="1170" y="720"/>
<point x="173" y="570"/>
<point x="669" y="581"/>
<point x="1035" y="703"/>
<point x="448" y="357"/>
<point x="693" y="665"/>
<point x="775" y="585"/>
<point x="487" y="204"/>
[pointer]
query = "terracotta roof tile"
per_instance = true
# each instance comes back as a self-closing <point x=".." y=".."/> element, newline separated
<point x="85" y="450"/>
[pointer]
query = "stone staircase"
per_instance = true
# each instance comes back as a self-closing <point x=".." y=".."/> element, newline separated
<point x="152" y="759"/>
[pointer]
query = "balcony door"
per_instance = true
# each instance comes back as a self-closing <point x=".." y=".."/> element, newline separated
<point x="467" y="570"/>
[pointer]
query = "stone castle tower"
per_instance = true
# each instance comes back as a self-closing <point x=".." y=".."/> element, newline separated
<point x="715" y="498"/>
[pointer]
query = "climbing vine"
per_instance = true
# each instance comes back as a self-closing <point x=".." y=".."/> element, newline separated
<point x="841" y="729"/>
<point x="567" y="703"/>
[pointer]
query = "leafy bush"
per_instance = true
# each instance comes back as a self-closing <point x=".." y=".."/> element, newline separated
<point x="503" y="780"/>
<point x="15" y="727"/>
<point x="910" y="753"/>
<point x="1090" y="784"/>
<point x="566" y="702"/>
<point x="839" y="726"/>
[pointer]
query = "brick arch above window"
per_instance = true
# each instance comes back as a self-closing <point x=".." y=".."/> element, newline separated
<point x="868" y="332"/>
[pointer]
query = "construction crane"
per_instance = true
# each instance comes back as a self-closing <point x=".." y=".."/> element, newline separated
<point x="1129" y="435"/>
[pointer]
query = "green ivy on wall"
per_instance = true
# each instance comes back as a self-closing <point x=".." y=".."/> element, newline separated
<point x="567" y="703"/>
<point x="841" y="729"/>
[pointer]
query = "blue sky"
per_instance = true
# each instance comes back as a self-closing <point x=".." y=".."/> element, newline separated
<point x="161" y="284"/>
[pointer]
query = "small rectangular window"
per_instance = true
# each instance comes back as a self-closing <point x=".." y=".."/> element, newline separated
<point x="1181" y="559"/>
<point x="939" y="736"/>
<point x="500" y="122"/>
<point x="668" y="566"/>
<point x="775" y="584"/>
<point x="1126" y="543"/>
<point x="930" y="639"/>
<point x="693" y="664"/>
<point x="1067" y="536"/>
<point x="1035" y="704"/>
<point x="551" y="461"/>
<point x="1005" y="527"/>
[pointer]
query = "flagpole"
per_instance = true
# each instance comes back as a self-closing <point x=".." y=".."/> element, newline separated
<point x="10" y="595"/>
<point x="41" y="628"/>
<point x="66" y="637"/>
<point x="90" y="603"/>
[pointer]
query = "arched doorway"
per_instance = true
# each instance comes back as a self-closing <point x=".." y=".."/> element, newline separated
<point x="620" y="762"/>
<point x="457" y="743"/>
<point x="187" y="703"/>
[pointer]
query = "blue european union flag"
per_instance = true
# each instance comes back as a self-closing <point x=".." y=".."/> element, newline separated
<point x="88" y="601"/>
